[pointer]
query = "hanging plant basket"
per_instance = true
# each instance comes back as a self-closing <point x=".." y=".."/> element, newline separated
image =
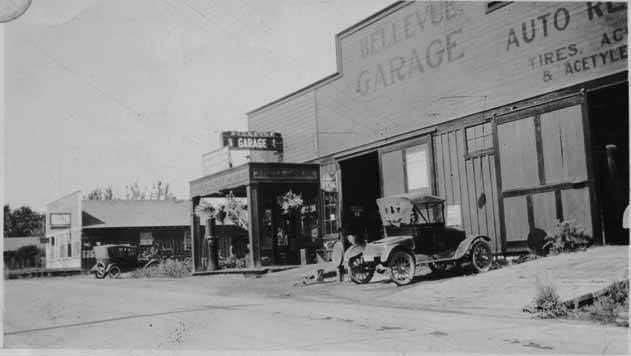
<point x="290" y="203"/>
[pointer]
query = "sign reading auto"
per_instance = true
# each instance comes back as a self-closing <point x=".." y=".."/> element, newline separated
<point x="252" y="140"/>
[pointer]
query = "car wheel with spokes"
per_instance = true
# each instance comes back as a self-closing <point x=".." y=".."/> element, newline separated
<point x="481" y="256"/>
<point x="402" y="267"/>
<point x="361" y="272"/>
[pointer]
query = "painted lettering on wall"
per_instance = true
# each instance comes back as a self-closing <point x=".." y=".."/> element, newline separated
<point x="537" y="28"/>
<point x="426" y="56"/>
<point x="570" y="58"/>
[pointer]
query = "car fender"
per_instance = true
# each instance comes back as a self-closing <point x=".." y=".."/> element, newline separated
<point x="109" y="267"/>
<point x="465" y="245"/>
<point x="353" y="251"/>
<point x="94" y="268"/>
<point x="407" y="246"/>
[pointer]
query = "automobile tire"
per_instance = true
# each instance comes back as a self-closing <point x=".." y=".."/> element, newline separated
<point x="402" y="267"/>
<point x="114" y="272"/>
<point x="100" y="271"/>
<point x="481" y="256"/>
<point x="360" y="271"/>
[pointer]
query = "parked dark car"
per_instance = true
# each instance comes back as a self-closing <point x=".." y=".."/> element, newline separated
<point x="112" y="260"/>
<point x="416" y="234"/>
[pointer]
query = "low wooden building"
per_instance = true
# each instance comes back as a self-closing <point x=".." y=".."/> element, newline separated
<point x="75" y="225"/>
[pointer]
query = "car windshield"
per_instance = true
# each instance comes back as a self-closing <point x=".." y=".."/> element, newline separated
<point x="429" y="213"/>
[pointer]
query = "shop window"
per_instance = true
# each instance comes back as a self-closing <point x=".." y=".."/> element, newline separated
<point x="328" y="185"/>
<point x="479" y="138"/>
<point x="494" y="5"/>
<point x="417" y="167"/>
<point x="187" y="240"/>
<point x="330" y="213"/>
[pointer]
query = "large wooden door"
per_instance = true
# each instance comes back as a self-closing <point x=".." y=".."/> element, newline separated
<point x="543" y="170"/>
<point x="466" y="179"/>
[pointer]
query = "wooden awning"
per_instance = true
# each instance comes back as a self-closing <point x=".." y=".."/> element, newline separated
<point x="218" y="184"/>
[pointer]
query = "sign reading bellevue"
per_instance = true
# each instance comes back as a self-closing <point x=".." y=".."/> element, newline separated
<point x="252" y="140"/>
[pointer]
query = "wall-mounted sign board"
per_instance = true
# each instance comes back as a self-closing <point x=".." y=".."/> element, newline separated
<point x="252" y="140"/>
<point x="59" y="220"/>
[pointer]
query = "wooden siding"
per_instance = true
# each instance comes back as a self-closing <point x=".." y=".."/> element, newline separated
<point x="296" y="121"/>
<point x="57" y="254"/>
<point x="469" y="182"/>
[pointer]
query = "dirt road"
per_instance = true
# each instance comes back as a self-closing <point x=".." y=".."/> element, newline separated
<point x="270" y="313"/>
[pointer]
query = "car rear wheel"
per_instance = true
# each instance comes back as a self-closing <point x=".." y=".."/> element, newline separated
<point x="361" y="272"/>
<point x="114" y="272"/>
<point x="402" y="267"/>
<point x="481" y="256"/>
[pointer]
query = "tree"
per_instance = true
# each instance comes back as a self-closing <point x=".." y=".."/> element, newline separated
<point x="8" y="221"/>
<point x="23" y="222"/>
<point x="100" y="194"/>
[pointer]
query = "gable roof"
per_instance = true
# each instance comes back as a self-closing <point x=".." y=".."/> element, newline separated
<point x="99" y="214"/>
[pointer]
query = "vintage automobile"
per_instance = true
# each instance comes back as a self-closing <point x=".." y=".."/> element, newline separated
<point x="113" y="259"/>
<point x="416" y="234"/>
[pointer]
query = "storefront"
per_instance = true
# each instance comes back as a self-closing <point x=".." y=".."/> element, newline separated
<point x="516" y="113"/>
<point x="280" y="213"/>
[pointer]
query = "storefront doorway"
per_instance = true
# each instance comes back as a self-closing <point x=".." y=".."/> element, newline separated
<point x="609" y="130"/>
<point x="360" y="190"/>
<point x="286" y="230"/>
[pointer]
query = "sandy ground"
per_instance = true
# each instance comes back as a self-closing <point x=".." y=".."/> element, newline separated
<point x="475" y="313"/>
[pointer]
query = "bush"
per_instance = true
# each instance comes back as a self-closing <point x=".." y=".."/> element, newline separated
<point x="566" y="236"/>
<point x="547" y="303"/>
<point x="612" y="307"/>
<point x="167" y="269"/>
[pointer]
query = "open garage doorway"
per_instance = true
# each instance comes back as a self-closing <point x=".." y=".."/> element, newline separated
<point x="609" y="130"/>
<point x="360" y="190"/>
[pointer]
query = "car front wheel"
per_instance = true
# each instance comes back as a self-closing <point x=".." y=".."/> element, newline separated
<point x="361" y="272"/>
<point x="402" y="267"/>
<point x="99" y="271"/>
<point x="481" y="256"/>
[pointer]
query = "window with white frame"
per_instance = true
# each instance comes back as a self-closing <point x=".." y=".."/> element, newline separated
<point x="417" y="167"/>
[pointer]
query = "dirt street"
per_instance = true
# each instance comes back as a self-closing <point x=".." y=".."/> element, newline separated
<point x="478" y="313"/>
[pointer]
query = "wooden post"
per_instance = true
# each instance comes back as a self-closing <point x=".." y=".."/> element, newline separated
<point x="195" y="234"/>
<point x="303" y="256"/>
<point x="211" y="239"/>
<point x="253" y="225"/>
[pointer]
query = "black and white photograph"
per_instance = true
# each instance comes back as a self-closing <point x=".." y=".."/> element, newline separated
<point x="314" y="177"/>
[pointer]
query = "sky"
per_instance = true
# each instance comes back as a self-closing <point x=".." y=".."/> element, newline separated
<point x="108" y="92"/>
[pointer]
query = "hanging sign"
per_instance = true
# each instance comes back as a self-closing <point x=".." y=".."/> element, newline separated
<point x="252" y="140"/>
